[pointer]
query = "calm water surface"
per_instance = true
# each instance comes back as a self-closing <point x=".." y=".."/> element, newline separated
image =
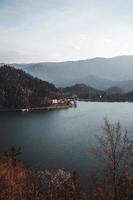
<point x="61" y="138"/>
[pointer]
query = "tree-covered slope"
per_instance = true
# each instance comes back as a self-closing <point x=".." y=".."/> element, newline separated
<point x="82" y="91"/>
<point x="114" y="90"/>
<point x="19" y="89"/>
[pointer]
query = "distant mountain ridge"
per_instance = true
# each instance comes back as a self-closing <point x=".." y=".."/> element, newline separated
<point x="100" y="73"/>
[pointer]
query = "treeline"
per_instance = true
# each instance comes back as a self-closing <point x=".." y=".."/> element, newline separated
<point x="84" y="92"/>
<point x="104" y="97"/>
<point x="123" y="97"/>
<point x="20" y="90"/>
<point x="115" y="182"/>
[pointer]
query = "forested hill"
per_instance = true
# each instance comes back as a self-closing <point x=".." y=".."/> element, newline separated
<point x="20" y="90"/>
<point x="82" y="91"/>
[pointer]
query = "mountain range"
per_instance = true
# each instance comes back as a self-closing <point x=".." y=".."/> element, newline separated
<point x="100" y="73"/>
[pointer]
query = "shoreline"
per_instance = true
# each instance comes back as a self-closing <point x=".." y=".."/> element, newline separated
<point x="89" y="100"/>
<point x="59" y="107"/>
<point x="35" y="109"/>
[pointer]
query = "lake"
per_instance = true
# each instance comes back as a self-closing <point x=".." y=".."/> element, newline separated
<point x="61" y="138"/>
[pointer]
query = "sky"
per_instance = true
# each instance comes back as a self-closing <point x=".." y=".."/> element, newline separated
<point x="60" y="30"/>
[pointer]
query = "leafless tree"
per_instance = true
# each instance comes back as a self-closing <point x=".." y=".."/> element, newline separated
<point x="115" y="150"/>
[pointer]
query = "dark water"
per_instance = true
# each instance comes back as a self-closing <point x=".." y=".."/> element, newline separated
<point x="61" y="138"/>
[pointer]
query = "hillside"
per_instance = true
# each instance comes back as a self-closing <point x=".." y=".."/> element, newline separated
<point x="82" y="91"/>
<point x="114" y="90"/>
<point x="19" y="89"/>
<point x="100" y="73"/>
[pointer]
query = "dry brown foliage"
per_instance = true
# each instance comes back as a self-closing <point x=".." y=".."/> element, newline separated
<point x="13" y="179"/>
<point x="55" y="186"/>
<point x="17" y="183"/>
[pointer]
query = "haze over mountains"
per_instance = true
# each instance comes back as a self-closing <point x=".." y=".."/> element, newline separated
<point x="100" y="73"/>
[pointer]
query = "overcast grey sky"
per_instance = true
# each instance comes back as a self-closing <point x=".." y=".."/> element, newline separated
<point x="57" y="30"/>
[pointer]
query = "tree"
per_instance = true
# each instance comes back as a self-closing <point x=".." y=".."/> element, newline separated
<point x="115" y="151"/>
<point x="125" y="186"/>
<point x="13" y="177"/>
<point x="19" y="183"/>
